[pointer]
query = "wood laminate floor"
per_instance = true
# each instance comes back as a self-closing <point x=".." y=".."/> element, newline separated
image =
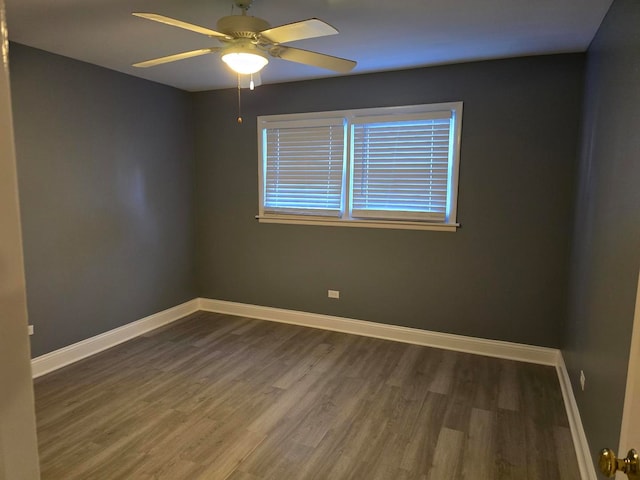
<point x="221" y="397"/>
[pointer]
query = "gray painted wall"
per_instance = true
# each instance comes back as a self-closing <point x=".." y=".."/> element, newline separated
<point x="18" y="446"/>
<point x="606" y="255"/>
<point x="503" y="275"/>
<point x="105" y="167"/>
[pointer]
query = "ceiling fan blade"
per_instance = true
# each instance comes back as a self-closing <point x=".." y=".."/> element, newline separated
<point x="341" y="65"/>
<point x="179" y="23"/>
<point x="291" y="32"/>
<point x="173" y="58"/>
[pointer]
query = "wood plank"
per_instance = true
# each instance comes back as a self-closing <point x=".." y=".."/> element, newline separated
<point x="511" y="458"/>
<point x="565" y="454"/>
<point x="230" y="457"/>
<point x="479" y="456"/>
<point x="508" y="391"/>
<point x="447" y="456"/>
<point x="443" y="368"/>
<point x="422" y="441"/>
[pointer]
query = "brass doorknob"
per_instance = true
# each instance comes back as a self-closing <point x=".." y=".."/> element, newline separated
<point x="609" y="464"/>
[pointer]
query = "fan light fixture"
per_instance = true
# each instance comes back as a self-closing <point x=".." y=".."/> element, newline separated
<point x="244" y="62"/>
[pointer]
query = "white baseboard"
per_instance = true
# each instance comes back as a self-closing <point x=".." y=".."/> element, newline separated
<point x="583" y="453"/>
<point x="59" y="358"/>
<point x="479" y="346"/>
<point x="492" y="348"/>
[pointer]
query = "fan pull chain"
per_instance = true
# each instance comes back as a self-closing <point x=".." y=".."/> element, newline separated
<point x="239" y="103"/>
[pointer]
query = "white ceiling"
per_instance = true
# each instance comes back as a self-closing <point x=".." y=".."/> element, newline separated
<point x="379" y="34"/>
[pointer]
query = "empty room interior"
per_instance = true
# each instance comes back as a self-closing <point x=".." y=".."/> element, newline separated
<point x="184" y="298"/>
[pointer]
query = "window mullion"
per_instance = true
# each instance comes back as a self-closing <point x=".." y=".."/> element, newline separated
<point x="348" y="154"/>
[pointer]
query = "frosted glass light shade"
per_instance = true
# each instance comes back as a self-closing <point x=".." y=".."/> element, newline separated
<point x="244" y="62"/>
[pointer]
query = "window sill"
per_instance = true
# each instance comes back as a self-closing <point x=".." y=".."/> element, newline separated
<point x="330" y="222"/>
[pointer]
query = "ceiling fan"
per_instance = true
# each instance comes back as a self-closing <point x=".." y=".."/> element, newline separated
<point x="248" y="42"/>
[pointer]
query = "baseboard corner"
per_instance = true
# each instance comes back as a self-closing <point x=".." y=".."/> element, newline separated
<point x="62" y="357"/>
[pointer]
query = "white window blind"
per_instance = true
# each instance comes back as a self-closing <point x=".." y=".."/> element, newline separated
<point x="400" y="167"/>
<point x="304" y="168"/>
<point x="387" y="167"/>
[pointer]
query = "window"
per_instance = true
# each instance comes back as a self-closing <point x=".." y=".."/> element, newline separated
<point x="304" y="167"/>
<point x="394" y="167"/>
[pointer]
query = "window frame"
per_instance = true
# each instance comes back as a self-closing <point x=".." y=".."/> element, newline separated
<point x="351" y="117"/>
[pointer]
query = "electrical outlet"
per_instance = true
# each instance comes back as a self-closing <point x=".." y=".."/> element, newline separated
<point x="30" y="329"/>
<point x="583" y="379"/>
<point x="333" y="293"/>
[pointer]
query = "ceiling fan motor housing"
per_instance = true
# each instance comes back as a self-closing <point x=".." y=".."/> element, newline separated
<point x="241" y="26"/>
